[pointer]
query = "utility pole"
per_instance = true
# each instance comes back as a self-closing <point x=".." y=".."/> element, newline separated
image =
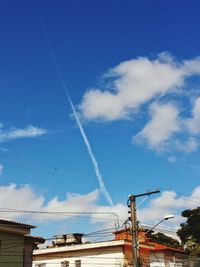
<point x="134" y="227"/>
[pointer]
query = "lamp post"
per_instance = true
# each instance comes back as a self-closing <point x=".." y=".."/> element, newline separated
<point x="166" y="217"/>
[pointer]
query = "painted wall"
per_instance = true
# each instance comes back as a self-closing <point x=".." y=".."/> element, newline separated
<point x="28" y="253"/>
<point x="11" y="250"/>
<point x="112" y="257"/>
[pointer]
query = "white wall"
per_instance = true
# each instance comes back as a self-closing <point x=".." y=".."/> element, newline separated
<point x="93" y="259"/>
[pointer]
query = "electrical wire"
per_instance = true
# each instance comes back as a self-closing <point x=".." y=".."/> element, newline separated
<point x="54" y="170"/>
<point x="100" y="231"/>
<point x="58" y="262"/>
<point x="62" y="213"/>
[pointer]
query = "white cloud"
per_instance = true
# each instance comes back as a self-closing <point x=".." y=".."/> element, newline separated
<point x="193" y="123"/>
<point x="1" y="168"/>
<point x="143" y="81"/>
<point x="18" y="133"/>
<point x="188" y="146"/>
<point x="169" y="203"/>
<point x="25" y="196"/>
<point x="163" y="124"/>
<point x="28" y="199"/>
<point x="135" y="82"/>
<point x="172" y="159"/>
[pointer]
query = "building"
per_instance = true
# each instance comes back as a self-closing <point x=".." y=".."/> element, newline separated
<point x="118" y="252"/>
<point x="16" y="244"/>
<point x="154" y="254"/>
<point x="161" y="256"/>
<point x="107" y="253"/>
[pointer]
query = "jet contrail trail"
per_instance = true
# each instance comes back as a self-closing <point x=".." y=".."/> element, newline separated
<point x="90" y="152"/>
<point x="82" y="132"/>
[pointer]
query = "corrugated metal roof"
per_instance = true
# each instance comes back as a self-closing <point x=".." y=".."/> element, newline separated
<point x="13" y="223"/>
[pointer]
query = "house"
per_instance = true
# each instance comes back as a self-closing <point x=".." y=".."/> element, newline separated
<point x="107" y="253"/>
<point x="16" y="244"/>
<point x="154" y="254"/>
<point x="69" y="251"/>
<point x="162" y="256"/>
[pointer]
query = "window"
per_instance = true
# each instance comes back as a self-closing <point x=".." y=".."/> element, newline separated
<point x="40" y="265"/>
<point x="78" y="263"/>
<point x="65" y="264"/>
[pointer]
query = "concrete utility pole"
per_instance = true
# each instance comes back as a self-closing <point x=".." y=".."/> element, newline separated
<point x="134" y="228"/>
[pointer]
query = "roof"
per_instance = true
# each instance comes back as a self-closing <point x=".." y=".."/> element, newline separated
<point x="162" y="247"/>
<point x="35" y="239"/>
<point x="7" y="222"/>
<point x="103" y="244"/>
<point x="141" y="229"/>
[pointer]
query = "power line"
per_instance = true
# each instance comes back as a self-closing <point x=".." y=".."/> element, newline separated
<point x="54" y="170"/>
<point x="100" y="231"/>
<point x="64" y="213"/>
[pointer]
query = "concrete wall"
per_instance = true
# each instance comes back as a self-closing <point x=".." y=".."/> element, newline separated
<point x="112" y="257"/>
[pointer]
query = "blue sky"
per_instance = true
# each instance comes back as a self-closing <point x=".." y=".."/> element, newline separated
<point x="132" y="70"/>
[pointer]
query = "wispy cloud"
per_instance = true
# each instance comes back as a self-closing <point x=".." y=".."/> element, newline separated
<point x="193" y="123"/>
<point x="172" y="159"/>
<point x="188" y="146"/>
<point x="1" y="169"/>
<point x="18" y="133"/>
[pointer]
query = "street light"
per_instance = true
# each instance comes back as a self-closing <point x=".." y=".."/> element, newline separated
<point x="166" y="217"/>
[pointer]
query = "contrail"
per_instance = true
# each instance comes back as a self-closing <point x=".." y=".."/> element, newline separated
<point x="82" y="132"/>
<point x="90" y="152"/>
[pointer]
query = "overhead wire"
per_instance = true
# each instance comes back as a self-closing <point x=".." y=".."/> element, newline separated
<point x="100" y="231"/>
<point x="65" y="213"/>
<point x="53" y="170"/>
<point x="58" y="262"/>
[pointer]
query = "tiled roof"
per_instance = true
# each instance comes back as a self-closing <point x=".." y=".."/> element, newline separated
<point x="162" y="247"/>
